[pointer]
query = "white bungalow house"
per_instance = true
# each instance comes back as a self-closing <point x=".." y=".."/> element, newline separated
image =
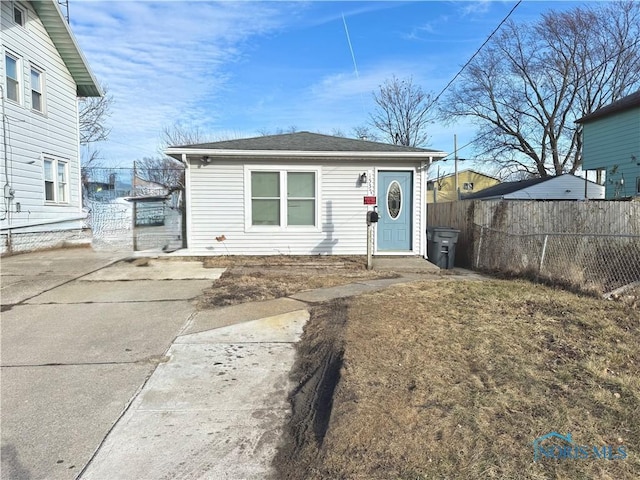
<point x="43" y="74"/>
<point x="304" y="194"/>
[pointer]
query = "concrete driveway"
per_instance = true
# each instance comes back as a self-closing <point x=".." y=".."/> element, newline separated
<point x="78" y="341"/>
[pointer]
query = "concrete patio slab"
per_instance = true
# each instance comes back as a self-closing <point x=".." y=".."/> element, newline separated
<point x="45" y="436"/>
<point x="25" y="276"/>
<point x="224" y="316"/>
<point x="190" y="445"/>
<point x="151" y="269"/>
<point x="215" y="410"/>
<point x="285" y="327"/>
<point x="114" y="292"/>
<point x="90" y="333"/>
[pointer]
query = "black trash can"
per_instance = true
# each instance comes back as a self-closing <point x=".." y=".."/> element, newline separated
<point x="441" y="246"/>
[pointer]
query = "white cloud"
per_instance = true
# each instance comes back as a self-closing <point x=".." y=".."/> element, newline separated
<point x="166" y="61"/>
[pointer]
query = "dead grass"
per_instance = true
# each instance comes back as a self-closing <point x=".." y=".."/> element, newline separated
<point x="250" y="279"/>
<point x="456" y="379"/>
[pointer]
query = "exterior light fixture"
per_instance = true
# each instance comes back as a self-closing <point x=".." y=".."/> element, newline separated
<point x="363" y="177"/>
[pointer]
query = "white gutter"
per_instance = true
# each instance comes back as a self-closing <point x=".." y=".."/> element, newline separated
<point x="199" y="152"/>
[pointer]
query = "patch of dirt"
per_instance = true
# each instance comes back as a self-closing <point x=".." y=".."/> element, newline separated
<point x="315" y="374"/>
<point x="250" y="279"/>
<point x="456" y="379"/>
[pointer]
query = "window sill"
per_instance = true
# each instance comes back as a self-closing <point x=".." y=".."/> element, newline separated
<point x="279" y="229"/>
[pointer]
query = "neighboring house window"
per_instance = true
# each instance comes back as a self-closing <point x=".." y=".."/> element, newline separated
<point x="36" y="90"/>
<point x="56" y="181"/>
<point x="284" y="198"/>
<point x="467" y="186"/>
<point x="19" y="15"/>
<point x="11" y="64"/>
<point x="637" y="185"/>
<point x="429" y="186"/>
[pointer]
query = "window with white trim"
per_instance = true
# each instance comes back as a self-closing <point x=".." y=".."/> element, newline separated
<point x="467" y="186"/>
<point x="56" y="181"/>
<point x="19" y="15"/>
<point x="283" y="198"/>
<point x="12" y="77"/>
<point x="37" y="89"/>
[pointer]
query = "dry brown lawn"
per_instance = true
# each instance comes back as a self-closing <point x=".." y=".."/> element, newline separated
<point x="249" y="279"/>
<point x="448" y="379"/>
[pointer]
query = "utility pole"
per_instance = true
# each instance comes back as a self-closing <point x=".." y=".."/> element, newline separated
<point x="455" y="161"/>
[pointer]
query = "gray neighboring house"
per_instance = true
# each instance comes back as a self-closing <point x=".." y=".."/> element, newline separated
<point x="611" y="144"/>
<point x="43" y="74"/>
<point x="304" y="194"/>
<point x="561" y="187"/>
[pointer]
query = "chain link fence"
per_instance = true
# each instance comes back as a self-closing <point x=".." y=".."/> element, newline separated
<point x="133" y="209"/>
<point x="602" y="263"/>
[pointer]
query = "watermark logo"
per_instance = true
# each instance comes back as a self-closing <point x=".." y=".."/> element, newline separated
<point x="562" y="447"/>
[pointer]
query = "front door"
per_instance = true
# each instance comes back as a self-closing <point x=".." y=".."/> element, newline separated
<point x="395" y="190"/>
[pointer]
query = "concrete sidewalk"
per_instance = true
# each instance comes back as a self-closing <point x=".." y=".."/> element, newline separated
<point x="109" y="372"/>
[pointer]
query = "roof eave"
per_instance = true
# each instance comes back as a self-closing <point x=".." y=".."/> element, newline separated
<point x="62" y="37"/>
<point x="218" y="153"/>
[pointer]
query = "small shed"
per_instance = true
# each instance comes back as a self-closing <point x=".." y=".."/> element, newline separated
<point x="304" y="194"/>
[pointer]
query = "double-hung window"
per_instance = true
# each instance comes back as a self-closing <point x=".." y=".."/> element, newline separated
<point x="283" y="198"/>
<point x="12" y="77"/>
<point x="56" y="181"/>
<point x="37" y="98"/>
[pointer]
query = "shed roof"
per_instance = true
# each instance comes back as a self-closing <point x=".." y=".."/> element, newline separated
<point x="625" y="103"/>
<point x="506" y="188"/>
<point x="62" y="37"/>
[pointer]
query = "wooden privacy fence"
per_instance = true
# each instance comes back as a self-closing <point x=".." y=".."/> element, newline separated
<point x="593" y="243"/>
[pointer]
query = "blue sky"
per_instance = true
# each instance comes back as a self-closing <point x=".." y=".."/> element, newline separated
<point x="235" y="69"/>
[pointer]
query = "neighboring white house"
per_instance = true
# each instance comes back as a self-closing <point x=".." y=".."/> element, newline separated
<point x="304" y="194"/>
<point x="43" y="73"/>
<point x="562" y="187"/>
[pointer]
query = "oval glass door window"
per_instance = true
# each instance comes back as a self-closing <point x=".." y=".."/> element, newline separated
<point x="394" y="199"/>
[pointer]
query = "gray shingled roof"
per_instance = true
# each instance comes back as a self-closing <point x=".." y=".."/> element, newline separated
<point x="625" y="103"/>
<point x="305" y="142"/>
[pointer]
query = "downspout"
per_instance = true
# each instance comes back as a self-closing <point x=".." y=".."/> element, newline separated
<point x="186" y="204"/>
<point x="423" y="210"/>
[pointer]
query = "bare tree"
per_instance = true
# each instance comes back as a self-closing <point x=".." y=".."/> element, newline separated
<point x="527" y="88"/>
<point x="93" y="113"/>
<point x="363" y="132"/>
<point x="163" y="171"/>
<point x="402" y="113"/>
<point x="179" y="134"/>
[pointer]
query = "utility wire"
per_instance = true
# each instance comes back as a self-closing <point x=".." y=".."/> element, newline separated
<point x="495" y="30"/>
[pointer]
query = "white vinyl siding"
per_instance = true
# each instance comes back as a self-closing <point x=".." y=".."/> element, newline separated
<point x="218" y="205"/>
<point x="36" y="135"/>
